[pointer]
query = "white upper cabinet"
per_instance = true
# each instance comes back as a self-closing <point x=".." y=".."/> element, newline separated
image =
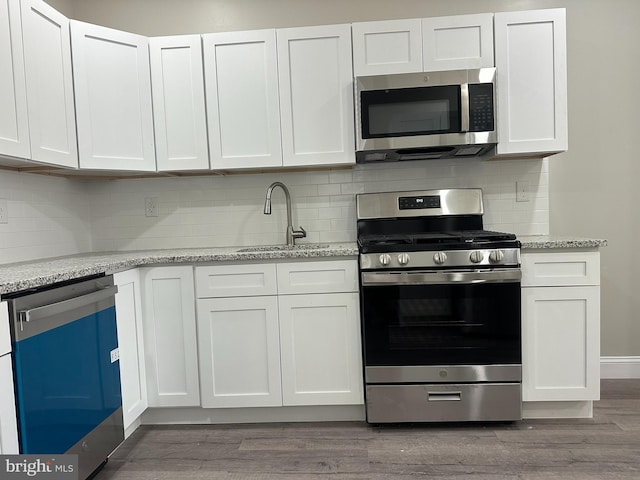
<point x="531" y="65"/>
<point x="458" y="42"/>
<point x="180" y="121"/>
<point x="50" y="100"/>
<point x="14" y="128"/>
<point x="391" y="46"/>
<point x="316" y="95"/>
<point x="113" y="98"/>
<point x="241" y="80"/>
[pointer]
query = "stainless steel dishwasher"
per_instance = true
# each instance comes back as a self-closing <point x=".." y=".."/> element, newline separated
<point x="67" y="372"/>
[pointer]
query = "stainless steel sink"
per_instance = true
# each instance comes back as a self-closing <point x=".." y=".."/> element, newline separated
<point x="272" y="248"/>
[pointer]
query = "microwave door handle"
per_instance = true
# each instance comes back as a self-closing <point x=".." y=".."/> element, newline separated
<point x="464" y="108"/>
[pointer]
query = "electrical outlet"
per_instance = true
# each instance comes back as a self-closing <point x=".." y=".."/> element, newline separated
<point x="151" y="207"/>
<point x="4" y="212"/>
<point x="522" y="191"/>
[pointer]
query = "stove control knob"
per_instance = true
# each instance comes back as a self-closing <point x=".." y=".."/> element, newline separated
<point x="403" y="258"/>
<point x="384" y="259"/>
<point x="476" y="256"/>
<point x="439" y="258"/>
<point x="496" y="256"/>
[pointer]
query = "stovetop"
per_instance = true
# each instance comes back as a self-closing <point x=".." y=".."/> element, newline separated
<point x="430" y="241"/>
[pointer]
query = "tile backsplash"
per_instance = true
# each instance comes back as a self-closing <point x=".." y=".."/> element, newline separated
<point x="228" y="210"/>
<point x="47" y="217"/>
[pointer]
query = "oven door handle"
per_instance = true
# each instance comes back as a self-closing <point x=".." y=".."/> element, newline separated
<point x="447" y="277"/>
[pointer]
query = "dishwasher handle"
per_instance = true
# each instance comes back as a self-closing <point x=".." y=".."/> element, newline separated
<point x="57" y="308"/>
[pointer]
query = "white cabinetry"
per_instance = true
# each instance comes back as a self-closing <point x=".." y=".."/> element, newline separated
<point x="561" y="326"/>
<point x="180" y="122"/>
<point x="261" y="346"/>
<point x="133" y="376"/>
<point x="423" y="45"/>
<point x="316" y="95"/>
<point x="113" y="98"/>
<point x="320" y="349"/>
<point x="239" y="346"/>
<point x="50" y="97"/>
<point x="242" y="99"/>
<point x="384" y="47"/>
<point x="458" y="42"/>
<point x="8" y="420"/>
<point x="170" y="341"/>
<point x="531" y="64"/>
<point x="239" y="352"/>
<point x="14" y="127"/>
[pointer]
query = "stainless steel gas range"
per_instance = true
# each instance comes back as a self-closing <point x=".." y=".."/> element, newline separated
<point x="440" y="306"/>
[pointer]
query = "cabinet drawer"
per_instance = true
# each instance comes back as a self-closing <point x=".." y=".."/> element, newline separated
<point x="5" y="337"/>
<point x="318" y="277"/>
<point x="560" y="269"/>
<point x="236" y="280"/>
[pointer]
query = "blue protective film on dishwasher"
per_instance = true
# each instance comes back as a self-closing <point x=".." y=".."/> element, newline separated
<point x="66" y="382"/>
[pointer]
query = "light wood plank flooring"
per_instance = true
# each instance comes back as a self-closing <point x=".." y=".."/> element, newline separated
<point x="604" y="447"/>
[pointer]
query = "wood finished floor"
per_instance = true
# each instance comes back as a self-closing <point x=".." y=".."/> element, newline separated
<point x="604" y="447"/>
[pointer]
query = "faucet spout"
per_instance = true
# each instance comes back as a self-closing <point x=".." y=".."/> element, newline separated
<point x="291" y="233"/>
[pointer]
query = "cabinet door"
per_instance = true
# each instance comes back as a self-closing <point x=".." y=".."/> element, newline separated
<point x="178" y="103"/>
<point x="8" y="420"/>
<point x="169" y="324"/>
<point x="14" y="128"/>
<point x="133" y="378"/>
<point x="458" y="42"/>
<point x="239" y="352"/>
<point x="113" y="98"/>
<point x="391" y="46"/>
<point x="316" y="95"/>
<point x="531" y="65"/>
<point x="320" y="349"/>
<point x="560" y="343"/>
<point x="51" y="106"/>
<point x="242" y="99"/>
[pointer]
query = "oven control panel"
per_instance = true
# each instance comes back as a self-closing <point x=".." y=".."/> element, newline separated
<point x="421" y="202"/>
<point x="452" y="258"/>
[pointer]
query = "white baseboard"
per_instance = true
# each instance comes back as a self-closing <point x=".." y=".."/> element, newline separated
<point x="619" y="367"/>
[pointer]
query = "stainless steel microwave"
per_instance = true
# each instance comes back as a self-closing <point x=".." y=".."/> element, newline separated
<point x="418" y="116"/>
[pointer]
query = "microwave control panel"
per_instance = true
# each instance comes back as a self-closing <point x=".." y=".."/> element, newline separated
<point x="481" y="115"/>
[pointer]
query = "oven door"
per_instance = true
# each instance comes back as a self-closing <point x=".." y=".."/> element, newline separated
<point x="420" y="319"/>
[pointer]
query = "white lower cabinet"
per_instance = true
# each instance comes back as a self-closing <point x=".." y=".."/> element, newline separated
<point x="239" y="352"/>
<point x="8" y="420"/>
<point x="273" y="349"/>
<point x="320" y="349"/>
<point x="560" y="327"/>
<point x="133" y="378"/>
<point x="170" y="342"/>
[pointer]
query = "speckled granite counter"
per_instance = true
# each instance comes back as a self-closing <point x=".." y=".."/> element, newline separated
<point x="20" y="276"/>
<point x="553" y="241"/>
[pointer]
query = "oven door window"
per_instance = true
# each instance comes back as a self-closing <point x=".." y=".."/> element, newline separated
<point x="445" y="324"/>
<point x="410" y="111"/>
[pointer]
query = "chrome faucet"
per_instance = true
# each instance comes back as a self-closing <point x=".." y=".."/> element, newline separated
<point x="291" y="233"/>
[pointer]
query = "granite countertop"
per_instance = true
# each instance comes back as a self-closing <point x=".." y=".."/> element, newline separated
<point x="558" y="241"/>
<point x="21" y="276"/>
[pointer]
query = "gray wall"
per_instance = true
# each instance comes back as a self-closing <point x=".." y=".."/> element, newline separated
<point x="591" y="186"/>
